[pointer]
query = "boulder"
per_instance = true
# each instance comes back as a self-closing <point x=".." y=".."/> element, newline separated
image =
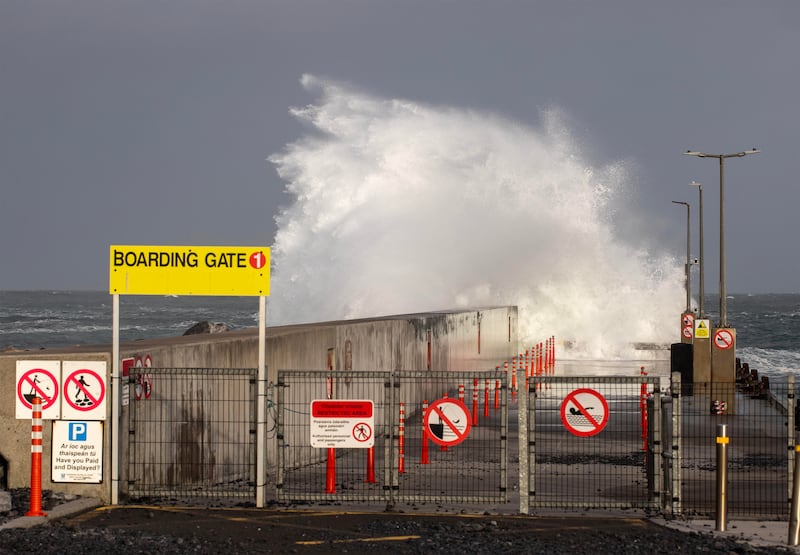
<point x="5" y="501"/>
<point x="206" y="327"/>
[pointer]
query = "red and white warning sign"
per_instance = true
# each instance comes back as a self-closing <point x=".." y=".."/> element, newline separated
<point x="688" y="319"/>
<point x="84" y="389"/>
<point x="38" y="378"/>
<point x="447" y="421"/>
<point x="342" y="423"/>
<point x="723" y="339"/>
<point x="688" y="331"/>
<point x="584" y="412"/>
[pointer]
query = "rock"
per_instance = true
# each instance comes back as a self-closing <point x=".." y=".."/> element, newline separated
<point x="206" y="327"/>
<point x="5" y="501"/>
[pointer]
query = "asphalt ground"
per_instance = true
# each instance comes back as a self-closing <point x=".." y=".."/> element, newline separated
<point x="83" y="526"/>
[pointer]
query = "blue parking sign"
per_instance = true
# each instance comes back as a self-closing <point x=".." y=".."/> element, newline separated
<point x="77" y="431"/>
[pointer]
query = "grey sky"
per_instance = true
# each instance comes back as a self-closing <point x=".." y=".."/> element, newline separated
<point x="149" y="122"/>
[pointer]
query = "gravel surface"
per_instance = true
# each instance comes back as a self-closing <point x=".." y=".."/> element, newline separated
<point x="172" y="530"/>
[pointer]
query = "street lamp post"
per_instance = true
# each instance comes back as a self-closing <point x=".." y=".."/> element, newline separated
<point x="700" y="310"/>
<point x="688" y="246"/>
<point x="723" y="308"/>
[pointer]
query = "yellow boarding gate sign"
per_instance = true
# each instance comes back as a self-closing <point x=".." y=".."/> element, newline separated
<point x="176" y="270"/>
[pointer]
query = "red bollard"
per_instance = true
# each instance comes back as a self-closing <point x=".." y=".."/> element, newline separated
<point x="371" y="466"/>
<point x="486" y="400"/>
<point x="424" y="458"/>
<point x="461" y="392"/>
<point x="330" y="473"/>
<point x="401" y="441"/>
<point x="475" y="402"/>
<point x="36" y="460"/>
<point x="496" y="394"/>
<point x="643" y="409"/>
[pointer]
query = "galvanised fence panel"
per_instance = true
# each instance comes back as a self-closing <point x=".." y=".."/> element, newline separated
<point x="593" y="442"/>
<point x="307" y="473"/>
<point x="405" y="466"/>
<point x="192" y="433"/>
<point x="472" y="471"/>
<point x="760" y="424"/>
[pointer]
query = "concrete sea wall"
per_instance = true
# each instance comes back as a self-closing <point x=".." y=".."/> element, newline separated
<point x="458" y="340"/>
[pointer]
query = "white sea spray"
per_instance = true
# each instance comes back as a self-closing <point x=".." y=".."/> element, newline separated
<point x="402" y="207"/>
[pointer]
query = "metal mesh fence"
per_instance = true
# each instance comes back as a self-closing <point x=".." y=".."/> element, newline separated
<point x="406" y="464"/>
<point x="192" y="434"/>
<point x="305" y="472"/>
<point x="760" y="443"/>
<point x="592" y="443"/>
<point x="475" y="470"/>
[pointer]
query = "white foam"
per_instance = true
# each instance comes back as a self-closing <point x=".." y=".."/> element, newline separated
<point x="402" y="207"/>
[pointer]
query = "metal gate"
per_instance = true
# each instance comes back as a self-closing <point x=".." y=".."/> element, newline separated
<point x="593" y="442"/>
<point x="191" y="432"/>
<point x="405" y="465"/>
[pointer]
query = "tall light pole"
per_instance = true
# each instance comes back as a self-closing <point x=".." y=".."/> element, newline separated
<point x="723" y="307"/>
<point x="700" y="311"/>
<point x="688" y="246"/>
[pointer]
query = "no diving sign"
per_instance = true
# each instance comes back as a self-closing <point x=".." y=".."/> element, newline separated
<point x="584" y="412"/>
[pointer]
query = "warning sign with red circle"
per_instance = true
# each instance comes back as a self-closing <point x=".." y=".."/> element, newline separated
<point x="723" y="339"/>
<point x="362" y="432"/>
<point x="584" y="412"/>
<point x="447" y="422"/>
<point x="38" y="378"/>
<point x="84" y="390"/>
<point x="688" y="331"/>
<point x="688" y="319"/>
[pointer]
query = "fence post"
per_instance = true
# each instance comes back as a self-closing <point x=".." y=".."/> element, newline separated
<point x="794" y="514"/>
<point x="401" y="441"/>
<point x="675" y="447"/>
<point x="424" y="456"/>
<point x="722" y="476"/>
<point x="36" y="460"/>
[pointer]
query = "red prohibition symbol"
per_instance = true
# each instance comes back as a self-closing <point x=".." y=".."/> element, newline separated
<point x="584" y="412"/>
<point x="723" y="339"/>
<point x="448" y="422"/>
<point x="37" y="388"/>
<point x="362" y="432"/>
<point x="88" y="395"/>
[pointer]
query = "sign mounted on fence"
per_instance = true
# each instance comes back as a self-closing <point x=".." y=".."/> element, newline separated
<point x="342" y="423"/>
<point x="447" y="421"/>
<point x="584" y="412"/>
<point x="175" y="270"/>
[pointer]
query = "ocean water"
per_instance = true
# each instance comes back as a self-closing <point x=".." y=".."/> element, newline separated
<point x="52" y="319"/>
<point x="767" y="326"/>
